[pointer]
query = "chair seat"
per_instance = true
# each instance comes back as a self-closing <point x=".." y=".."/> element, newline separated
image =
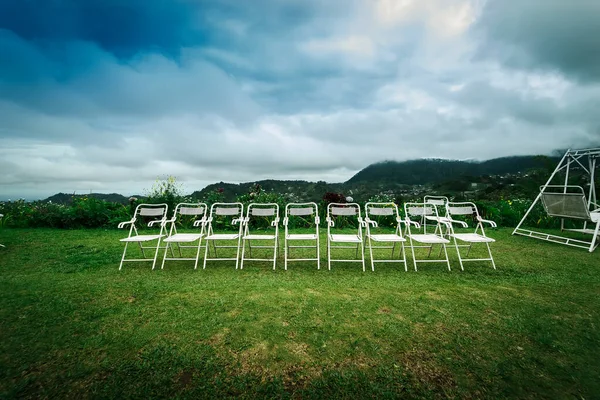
<point x="223" y="236"/>
<point x="301" y="236"/>
<point x="141" y="238"/>
<point x="346" y="238"/>
<point x="595" y="216"/>
<point x="429" y="238"/>
<point x="184" y="237"/>
<point x="259" y="237"/>
<point x="472" y="237"/>
<point x="387" y="238"/>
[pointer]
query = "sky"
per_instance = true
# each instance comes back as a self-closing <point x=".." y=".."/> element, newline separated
<point x="109" y="95"/>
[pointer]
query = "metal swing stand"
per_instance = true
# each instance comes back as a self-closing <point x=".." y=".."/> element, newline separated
<point x="569" y="201"/>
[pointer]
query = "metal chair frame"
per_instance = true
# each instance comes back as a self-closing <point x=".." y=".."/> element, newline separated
<point x="335" y="210"/>
<point x="301" y="210"/>
<point x="197" y="210"/>
<point x="438" y="201"/>
<point x="426" y="240"/>
<point x="235" y="211"/>
<point x="376" y="210"/>
<point x="144" y="210"/>
<point x="261" y="210"/>
<point x="479" y="236"/>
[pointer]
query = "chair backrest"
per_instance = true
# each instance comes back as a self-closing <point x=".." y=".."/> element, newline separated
<point x="461" y="208"/>
<point x="343" y="209"/>
<point x="420" y="209"/>
<point x="301" y="209"/>
<point x="571" y="204"/>
<point x="227" y="209"/>
<point x="151" y="210"/>
<point x="260" y="210"/>
<point x="381" y="209"/>
<point x="263" y="210"/>
<point x="193" y="209"/>
<point x="185" y="213"/>
<point x="435" y="200"/>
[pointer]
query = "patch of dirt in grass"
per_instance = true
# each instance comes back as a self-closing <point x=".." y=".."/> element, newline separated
<point x="234" y="313"/>
<point x="184" y="378"/>
<point x="217" y="338"/>
<point x="299" y="349"/>
<point x="433" y="295"/>
<point x="424" y="368"/>
<point x="384" y="310"/>
<point x="299" y="377"/>
<point x="508" y="288"/>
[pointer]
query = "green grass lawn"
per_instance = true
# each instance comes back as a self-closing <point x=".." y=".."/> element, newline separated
<point x="72" y="325"/>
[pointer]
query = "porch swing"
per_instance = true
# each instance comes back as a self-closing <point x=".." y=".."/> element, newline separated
<point x="569" y="202"/>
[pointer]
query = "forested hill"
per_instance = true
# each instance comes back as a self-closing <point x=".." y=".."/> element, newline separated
<point x="428" y="171"/>
<point x="66" y="198"/>
<point x="390" y="175"/>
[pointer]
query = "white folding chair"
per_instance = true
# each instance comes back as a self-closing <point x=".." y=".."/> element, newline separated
<point x="375" y="215"/>
<point x="426" y="240"/>
<point x="440" y="203"/>
<point x="1" y="245"/>
<point x="345" y="213"/>
<point x="263" y="215"/>
<point x="185" y="214"/>
<point x="305" y="214"/>
<point x="223" y="215"/>
<point x="468" y="210"/>
<point x="137" y="234"/>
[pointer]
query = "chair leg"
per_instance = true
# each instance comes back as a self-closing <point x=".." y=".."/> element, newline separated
<point x="168" y="246"/>
<point x="491" y="257"/>
<point x="243" y="253"/>
<point x="237" y="254"/>
<point x="156" y="254"/>
<point x="205" y="254"/>
<point x="362" y="255"/>
<point x="412" y="249"/>
<point x="318" y="254"/>
<point x="371" y="253"/>
<point x="328" y="254"/>
<point x="285" y="253"/>
<point x="275" y="254"/>
<point x="198" y="253"/>
<point x="447" y="259"/>
<point x="403" y="250"/>
<point x="123" y="257"/>
<point x="459" y="255"/>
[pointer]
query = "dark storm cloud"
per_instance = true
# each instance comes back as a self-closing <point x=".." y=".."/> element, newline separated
<point x="123" y="28"/>
<point x="544" y="34"/>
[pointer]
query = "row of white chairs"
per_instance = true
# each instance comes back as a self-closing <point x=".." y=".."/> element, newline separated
<point x="225" y="225"/>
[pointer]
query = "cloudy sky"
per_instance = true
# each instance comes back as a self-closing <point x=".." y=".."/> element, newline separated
<point x="108" y="95"/>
